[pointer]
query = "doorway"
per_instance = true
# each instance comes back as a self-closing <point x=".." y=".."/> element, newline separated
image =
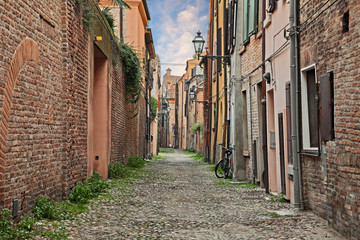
<point x="98" y="121"/>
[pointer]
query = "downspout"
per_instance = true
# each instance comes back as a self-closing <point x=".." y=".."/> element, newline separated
<point x="251" y="134"/>
<point x="225" y="77"/>
<point x="263" y="104"/>
<point x="216" y="120"/>
<point x="209" y="83"/>
<point x="294" y="87"/>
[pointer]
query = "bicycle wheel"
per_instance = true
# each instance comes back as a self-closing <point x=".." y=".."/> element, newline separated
<point x="219" y="171"/>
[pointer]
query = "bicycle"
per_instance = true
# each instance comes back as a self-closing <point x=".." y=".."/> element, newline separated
<point x="223" y="166"/>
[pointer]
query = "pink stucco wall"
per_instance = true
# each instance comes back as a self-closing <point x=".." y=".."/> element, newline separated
<point x="279" y="67"/>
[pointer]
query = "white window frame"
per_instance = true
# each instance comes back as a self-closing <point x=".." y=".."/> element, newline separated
<point x="305" y="109"/>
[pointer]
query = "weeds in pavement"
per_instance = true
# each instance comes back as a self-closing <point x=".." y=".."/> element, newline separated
<point x="89" y="189"/>
<point x="118" y="170"/>
<point x="136" y="162"/>
<point x="278" y="198"/>
<point x="166" y="150"/>
<point x="22" y="230"/>
<point x="55" y="212"/>
<point x="158" y="157"/>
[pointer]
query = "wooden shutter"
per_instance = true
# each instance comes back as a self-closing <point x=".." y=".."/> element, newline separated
<point x="234" y="24"/>
<point x="253" y="17"/>
<point x="245" y="21"/>
<point x="230" y="26"/>
<point x="326" y="107"/>
<point x="281" y="151"/>
<point x="226" y="30"/>
<point x="218" y="50"/>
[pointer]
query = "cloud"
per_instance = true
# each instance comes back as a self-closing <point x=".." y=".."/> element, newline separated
<point x="174" y="24"/>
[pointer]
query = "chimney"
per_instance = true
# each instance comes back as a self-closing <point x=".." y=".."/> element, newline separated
<point x="168" y="72"/>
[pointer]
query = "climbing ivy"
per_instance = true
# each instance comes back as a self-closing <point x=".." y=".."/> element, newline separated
<point x="132" y="70"/>
<point x="130" y="61"/>
<point x="154" y="107"/>
<point x="196" y="127"/>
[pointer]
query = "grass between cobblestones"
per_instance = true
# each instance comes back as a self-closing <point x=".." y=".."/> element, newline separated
<point x="225" y="183"/>
<point x="52" y="220"/>
<point x="166" y="150"/>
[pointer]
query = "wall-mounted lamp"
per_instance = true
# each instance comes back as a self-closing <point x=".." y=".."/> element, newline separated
<point x="98" y="38"/>
<point x="199" y="45"/>
<point x="192" y="95"/>
<point x="267" y="77"/>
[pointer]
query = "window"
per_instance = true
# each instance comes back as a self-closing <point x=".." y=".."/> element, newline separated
<point x="345" y="21"/>
<point x="272" y="6"/>
<point x="310" y="106"/>
<point x="250" y="19"/>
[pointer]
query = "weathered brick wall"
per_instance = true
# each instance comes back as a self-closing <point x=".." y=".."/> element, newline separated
<point x="325" y="43"/>
<point x="43" y="100"/>
<point x="44" y="77"/>
<point x="251" y="58"/>
<point x="118" y="117"/>
<point x="75" y="90"/>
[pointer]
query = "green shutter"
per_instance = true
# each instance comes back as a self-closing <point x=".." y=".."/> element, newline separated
<point x="245" y="21"/>
<point x="253" y="17"/>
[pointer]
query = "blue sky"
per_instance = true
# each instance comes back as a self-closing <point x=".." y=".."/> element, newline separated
<point x="174" y="24"/>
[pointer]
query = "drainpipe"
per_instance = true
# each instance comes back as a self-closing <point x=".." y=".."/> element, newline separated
<point x="225" y="77"/>
<point x="294" y="86"/>
<point x="251" y="134"/>
<point x="263" y="104"/>
<point x="216" y="120"/>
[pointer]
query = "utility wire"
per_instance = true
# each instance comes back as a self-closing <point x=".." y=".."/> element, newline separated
<point x="308" y="22"/>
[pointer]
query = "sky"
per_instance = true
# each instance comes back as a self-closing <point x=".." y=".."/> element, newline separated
<point x="174" y="24"/>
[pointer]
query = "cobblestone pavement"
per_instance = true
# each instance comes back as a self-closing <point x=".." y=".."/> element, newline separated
<point x="182" y="199"/>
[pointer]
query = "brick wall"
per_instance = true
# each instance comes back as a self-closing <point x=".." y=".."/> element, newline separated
<point x="75" y="91"/>
<point x="324" y="43"/>
<point x="44" y="77"/>
<point x="251" y="58"/>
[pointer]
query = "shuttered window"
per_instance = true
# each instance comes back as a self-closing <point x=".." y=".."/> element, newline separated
<point x="218" y="49"/>
<point x="232" y="12"/>
<point x="250" y="18"/>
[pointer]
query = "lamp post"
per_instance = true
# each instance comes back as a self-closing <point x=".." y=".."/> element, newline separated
<point x="199" y="45"/>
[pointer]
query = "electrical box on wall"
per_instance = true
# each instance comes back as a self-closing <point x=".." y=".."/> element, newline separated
<point x="272" y="140"/>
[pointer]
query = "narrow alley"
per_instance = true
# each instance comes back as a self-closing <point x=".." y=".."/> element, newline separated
<point x="180" y="198"/>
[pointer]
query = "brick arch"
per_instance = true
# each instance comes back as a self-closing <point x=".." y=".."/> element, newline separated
<point x="28" y="50"/>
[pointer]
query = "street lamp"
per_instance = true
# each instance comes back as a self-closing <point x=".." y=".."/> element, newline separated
<point x="192" y="95"/>
<point x="199" y="45"/>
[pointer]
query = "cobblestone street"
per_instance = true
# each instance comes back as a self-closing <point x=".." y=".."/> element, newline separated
<point x="182" y="199"/>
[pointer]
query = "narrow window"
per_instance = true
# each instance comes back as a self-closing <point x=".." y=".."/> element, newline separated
<point x="345" y="21"/>
<point x="312" y="108"/>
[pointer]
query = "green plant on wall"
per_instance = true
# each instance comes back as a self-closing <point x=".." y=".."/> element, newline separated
<point x="109" y="17"/>
<point x="132" y="70"/>
<point x="196" y="127"/>
<point x="121" y="3"/>
<point x="154" y="107"/>
<point x="88" y="13"/>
